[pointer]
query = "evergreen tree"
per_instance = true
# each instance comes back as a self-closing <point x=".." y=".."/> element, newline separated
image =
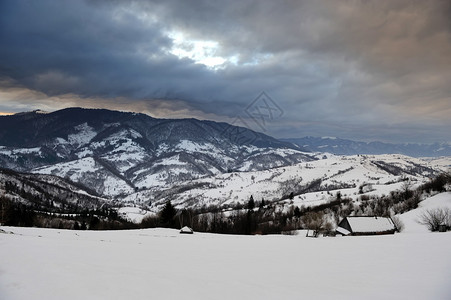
<point x="297" y="212"/>
<point x="76" y="226"/>
<point x="251" y="203"/>
<point x="4" y="210"/>
<point x="262" y="204"/>
<point x="167" y="215"/>
<point x="94" y="223"/>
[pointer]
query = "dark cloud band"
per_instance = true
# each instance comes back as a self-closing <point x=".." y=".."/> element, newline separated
<point x="335" y="67"/>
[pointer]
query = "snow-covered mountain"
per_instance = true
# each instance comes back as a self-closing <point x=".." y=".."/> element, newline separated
<point x="117" y="153"/>
<point x="135" y="159"/>
<point x="349" y="147"/>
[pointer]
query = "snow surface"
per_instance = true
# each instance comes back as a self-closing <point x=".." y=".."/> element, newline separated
<point x="80" y="169"/>
<point x="19" y="151"/>
<point x="77" y="168"/>
<point x="84" y="135"/>
<point x="163" y="264"/>
<point x="133" y="214"/>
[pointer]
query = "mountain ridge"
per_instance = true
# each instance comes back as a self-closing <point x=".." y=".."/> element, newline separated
<point x="340" y="146"/>
<point x="11" y="128"/>
<point x="117" y="153"/>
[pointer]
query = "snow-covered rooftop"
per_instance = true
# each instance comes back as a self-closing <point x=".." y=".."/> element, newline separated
<point x="370" y="224"/>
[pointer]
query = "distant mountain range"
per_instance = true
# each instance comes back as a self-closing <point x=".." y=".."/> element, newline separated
<point x="348" y="147"/>
<point x="116" y="153"/>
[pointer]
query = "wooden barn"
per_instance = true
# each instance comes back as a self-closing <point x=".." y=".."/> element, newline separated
<point x="366" y="226"/>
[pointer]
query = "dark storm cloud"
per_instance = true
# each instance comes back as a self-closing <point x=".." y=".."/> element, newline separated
<point x="354" y="69"/>
<point x="67" y="47"/>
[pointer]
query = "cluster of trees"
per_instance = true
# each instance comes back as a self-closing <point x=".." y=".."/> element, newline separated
<point x="17" y="214"/>
<point x="403" y="200"/>
<point x="50" y="198"/>
<point x="252" y="218"/>
<point x="165" y="218"/>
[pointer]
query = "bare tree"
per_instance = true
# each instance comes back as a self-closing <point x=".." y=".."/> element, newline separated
<point x="185" y="217"/>
<point x="434" y="218"/>
<point x="398" y="223"/>
<point x="315" y="221"/>
<point x="406" y="189"/>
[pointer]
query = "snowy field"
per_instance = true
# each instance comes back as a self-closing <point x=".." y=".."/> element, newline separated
<point x="162" y="264"/>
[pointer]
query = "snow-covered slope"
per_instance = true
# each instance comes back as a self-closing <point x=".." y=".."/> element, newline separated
<point x="47" y="192"/>
<point x="312" y="183"/>
<point x="163" y="264"/>
<point x="411" y="218"/>
<point x="90" y="172"/>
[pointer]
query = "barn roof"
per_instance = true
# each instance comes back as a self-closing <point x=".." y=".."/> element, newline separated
<point x="369" y="224"/>
<point x="186" y="229"/>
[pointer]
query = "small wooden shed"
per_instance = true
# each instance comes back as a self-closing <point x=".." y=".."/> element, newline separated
<point x="366" y="225"/>
<point x="186" y="230"/>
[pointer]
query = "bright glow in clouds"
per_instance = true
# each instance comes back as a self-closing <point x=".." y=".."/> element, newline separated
<point x="201" y="52"/>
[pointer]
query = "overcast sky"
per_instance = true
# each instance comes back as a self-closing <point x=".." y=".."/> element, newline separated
<point x="364" y="70"/>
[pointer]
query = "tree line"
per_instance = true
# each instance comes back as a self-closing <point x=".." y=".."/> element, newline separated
<point x="14" y="213"/>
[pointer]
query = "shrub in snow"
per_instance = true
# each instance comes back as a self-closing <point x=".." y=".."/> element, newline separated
<point x="435" y="218"/>
<point x="398" y="223"/>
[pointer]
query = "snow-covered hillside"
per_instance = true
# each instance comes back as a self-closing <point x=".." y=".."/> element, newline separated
<point x="312" y="183"/>
<point x="90" y="172"/>
<point x="411" y="218"/>
<point x="47" y="192"/>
